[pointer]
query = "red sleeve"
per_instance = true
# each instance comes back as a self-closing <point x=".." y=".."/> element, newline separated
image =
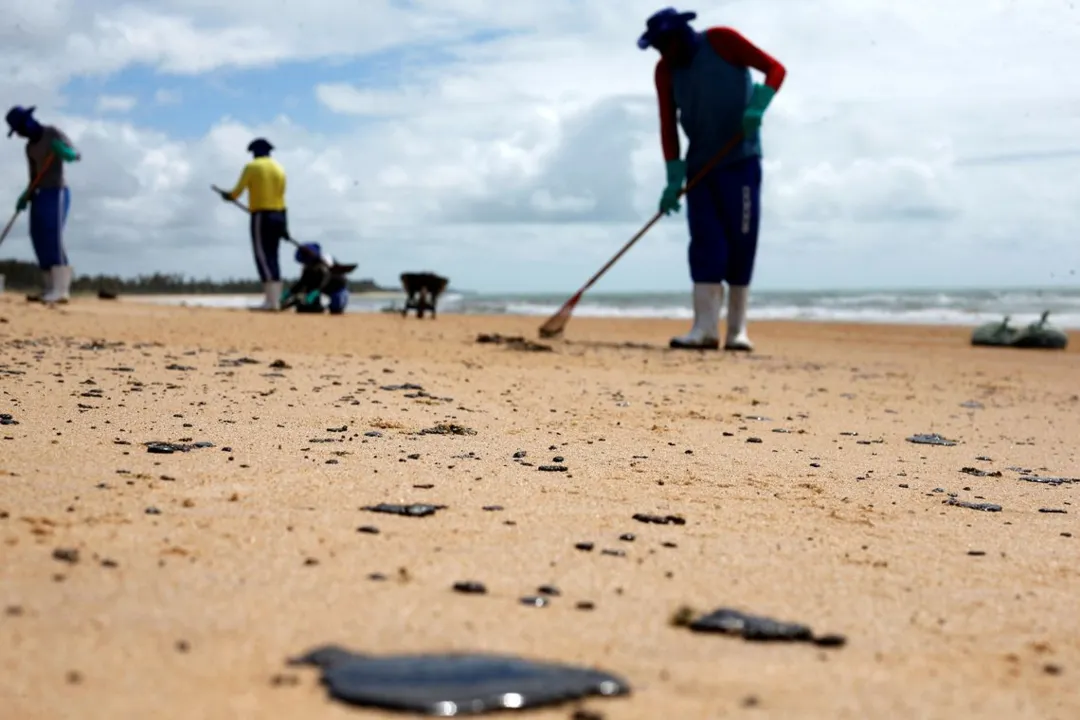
<point x="665" y="97"/>
<point x="737" y="50"/>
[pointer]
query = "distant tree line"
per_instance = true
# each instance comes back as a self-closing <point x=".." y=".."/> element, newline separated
<point x="19" y="275"/>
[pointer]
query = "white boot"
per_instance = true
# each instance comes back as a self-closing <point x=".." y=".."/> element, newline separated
<point x="46" y="287"/>
<point x="737" y="339"/>
<point x="59" y="289"/>
<point x="705" y="334"/>
<point x="271" y="296"/>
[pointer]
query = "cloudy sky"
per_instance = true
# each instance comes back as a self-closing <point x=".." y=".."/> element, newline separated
<point x="514" y="145"/>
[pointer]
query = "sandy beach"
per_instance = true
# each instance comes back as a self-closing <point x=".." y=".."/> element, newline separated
<point x="143" y="585"/>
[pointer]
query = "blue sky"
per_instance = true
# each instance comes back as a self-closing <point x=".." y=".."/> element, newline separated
<point x="446" y="136"/>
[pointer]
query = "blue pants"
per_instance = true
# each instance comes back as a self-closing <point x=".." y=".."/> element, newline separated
<point x="723" y="211"/>
<point x="268" y="228"/>
<point x="48" y="215"/>
<point x="338" y="301"/>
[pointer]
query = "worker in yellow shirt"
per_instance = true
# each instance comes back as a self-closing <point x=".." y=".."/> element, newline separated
<point x="264" y="180"/>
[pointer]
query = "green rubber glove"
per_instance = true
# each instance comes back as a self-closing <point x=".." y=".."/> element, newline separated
<point x="760" y="98"/>
<point x="21" y="203"/>
<point x="676" y="176"/>
<point x="66" y="152"/>
<point x="312" y="297"/>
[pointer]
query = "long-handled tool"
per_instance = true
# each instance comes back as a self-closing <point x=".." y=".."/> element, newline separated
<point x="557" y="322"/>
<point x="337" y="268"/>
<point x="29" y="191"/>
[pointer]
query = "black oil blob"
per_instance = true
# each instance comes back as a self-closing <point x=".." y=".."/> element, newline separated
<point x="167" y="448"/>
<point x="980" y="473"/>
<point x="985" y="507"/>
<point x="447" y="429"/>
<point x="414" y="510"/>
<point x="761" y="629"/>
<point x="1055" y="481"/>
<point x="513" y="343"/>
<point x="450" y="685"/>
<point x="470" y="587"/>
<point x="930" y="439"/>
<point x="660" y="519"/>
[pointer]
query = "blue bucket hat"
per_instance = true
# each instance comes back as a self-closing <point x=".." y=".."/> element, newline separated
<point x="663" y="22"/>
<point x="308" y="252"/>
<point x="20" y="118"/>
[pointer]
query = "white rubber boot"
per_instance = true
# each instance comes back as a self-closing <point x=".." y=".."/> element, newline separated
<point x="737" y="339"/>
<point x="46" y="287"/>
<point x="60" y="287"/>
<point x="271" y="297"/>
<point x="705" y="333"/>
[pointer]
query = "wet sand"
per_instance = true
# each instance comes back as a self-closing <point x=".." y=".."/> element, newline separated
<point x="198" y="573"/>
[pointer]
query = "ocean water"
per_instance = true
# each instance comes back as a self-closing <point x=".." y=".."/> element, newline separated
<point x="918" y="307"/>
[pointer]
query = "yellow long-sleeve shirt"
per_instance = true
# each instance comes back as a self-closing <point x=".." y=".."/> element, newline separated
<point x="264" y="180"/>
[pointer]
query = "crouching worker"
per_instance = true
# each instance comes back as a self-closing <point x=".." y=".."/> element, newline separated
<point x="321" y="276"/>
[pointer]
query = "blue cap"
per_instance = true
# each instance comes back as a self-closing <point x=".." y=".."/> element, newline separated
<point x="18" y="117"/>
<point x="308" y="252"/>
<point x="662" y="22"/>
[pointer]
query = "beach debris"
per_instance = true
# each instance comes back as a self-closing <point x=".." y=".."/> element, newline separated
<point x="1038" y="335"/>
<point x="454" y="684"/>
<point x="8" y="419"/>
<point x="168" y="448"/>
<point x="447" y="429"/>
<point x="280" y="365"/>
<point x="1048" y="480"/>
<point x="68" y="555"/>
<point x="402" y="386"/>
<point x="584" y="546"/>
<point x="535" y="601"/>
<point x="513" y="342"/>
<point x="414" y="510"/>
<point x="930" y="439"/>
<point x="660" y="519"/>
<point x="237" y="362"/>
<point x="470" y="587"/>
<point x="985" y="507"/>
<point x="980" y="473"/>
<point x="756" y="628"/>
<point x="1058" y="511"/>
<point x="368" y="530"/>
<point x="552" y="468"/>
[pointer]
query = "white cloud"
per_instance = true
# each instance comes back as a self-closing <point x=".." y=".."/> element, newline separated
<point x="908" y="145"/>
<point x="168" y="97"/>
<point x="116" y="103"/>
